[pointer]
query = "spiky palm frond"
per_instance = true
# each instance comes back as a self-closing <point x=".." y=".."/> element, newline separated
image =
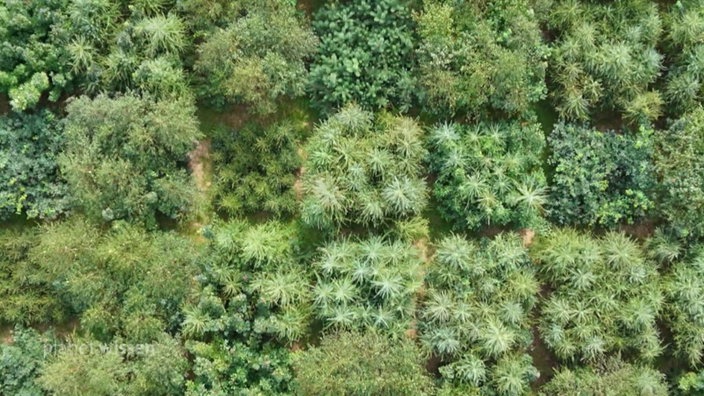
<point x="162" y="35"/>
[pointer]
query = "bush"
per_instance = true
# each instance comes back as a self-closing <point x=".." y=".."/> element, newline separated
<point x="489" y="174"/>
<point x="601" y="178"/>
<point x="684" y="289"/>
<point x="362" y="169"/>
<point x="255" y="169"/>
<point x="606" y="296"/>
<point x="361" y="364"/>
<point x="367" y="284"/>
<point x="612" y="377"/>
<point x="253" y="298"/>
<point x="258" y="59"/>
<point x="685" y="45"/>
<point x="33" y="58"/>
<point x="605" y="59"/>
<point x="124" y="156"/>
<point x="680" y="169"/>
<point x="22" y="361"/>
<point x="365" y="55"/>
<point x="30" y="182"/>
<point x="480" y="57"/>
<point x="476" y="316"/>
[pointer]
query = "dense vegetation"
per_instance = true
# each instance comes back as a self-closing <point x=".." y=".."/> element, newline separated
<point x="351" y="197"/>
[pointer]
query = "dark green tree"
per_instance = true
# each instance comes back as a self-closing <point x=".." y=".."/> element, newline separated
<point x="30" y="181"/>
<point x="601" y="178"/>
<point x="365" y="55"/>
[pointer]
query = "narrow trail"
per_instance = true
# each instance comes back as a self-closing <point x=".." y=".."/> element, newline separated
<point x="199" y="165"/>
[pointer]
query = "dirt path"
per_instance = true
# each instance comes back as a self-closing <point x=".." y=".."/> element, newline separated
<point x="198" y="160"/>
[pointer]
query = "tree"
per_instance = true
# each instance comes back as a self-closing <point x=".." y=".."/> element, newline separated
<point x="607" y="295"/>
<point x="258" y="59"/>
<point x="476" y="58"/>
<point x="362" y="169"/>
<point x="253" y="298"/>
<point x="367" y="283"/>
<point x="378" y="366"/>
<point x="30" y="182"/>
<point x="21" y="362"/>
<point x="124" y="156"/>
<point x="84" y="367"/>
<point x="601" y="178"/>
<point x="255" y="169"/>
<point x="605" y="59"/>
<point x="611" y="378"/>
<point x="476" y="316"/>
<point x="681" y="172"/>
<point x="684" y="43"/>
<point x="33" y="58"/>
<point x="365" y="55"/>
<point x="489" y="174"/>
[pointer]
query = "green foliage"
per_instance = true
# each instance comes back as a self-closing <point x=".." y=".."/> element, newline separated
<point x="368" y="283"/>
<point x="119" y="50"/>
<point x="29" y="177"/>
<point x="33" y="59"/>
<point x="606" y="296"/>
<point x="601" y="178"/>
<point x="21" y="363"/>
<point x="363" y="170"/>
<point x="681" y="171"/>
<point x="27" y="296"/>
<point x="258" y="58"/>
<point x="612" y="378"/>
<point x="255" y="169"/>
<point x="85" y="367"/>
<point x="685" y="43"/>
<point x="480" y="57"/>
<point x="361" y="364"/>
<point x="685" y="292"/>
<point x="254" y="296"/>
<point x="365" y="55"/>
<point x="489" y="174"/>
<point x="605" y="59"/>
<point x="124" y="155"/>
<point x="476" y="317"/>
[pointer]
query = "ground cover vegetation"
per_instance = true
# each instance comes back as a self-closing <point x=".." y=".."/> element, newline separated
<point x="280" y="197"/>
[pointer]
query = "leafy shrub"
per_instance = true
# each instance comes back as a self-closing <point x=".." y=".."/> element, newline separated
<point x="33" y="58"/>
<point x="613" y="377"/>
<point x="21" y="362"/>
<point x="254" y="296"/>
<point x="85" y="367"/>
<point x="684" y="289"/>
<point x="476" y="316"/>
<point x="363" y="170"/>
<point x="123" y="155"/>
<point x="255" y="169"/>
<point x="480" y="57"/>
<point x="605" y="59"/>
<point x="488" y="174"/>
<point x="27" y="296"/>
<point x="606" y="297"/>
<point x="601" y="178"/>
<point x="365" y="55"/>
<point x="30" y="182"/>
<point x="361" y="364"/>
<point x="259" y="58"/>
<point x="685" y="43"/>
<point x="681" y="172"/>
<point x="368" y="283"/>
<point x="122" y="283"/>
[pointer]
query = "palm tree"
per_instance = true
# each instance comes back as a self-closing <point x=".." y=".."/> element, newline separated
<point x="496" y="339"/>
<point x="162" y="35"/>
<point x="512" y="374"/>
